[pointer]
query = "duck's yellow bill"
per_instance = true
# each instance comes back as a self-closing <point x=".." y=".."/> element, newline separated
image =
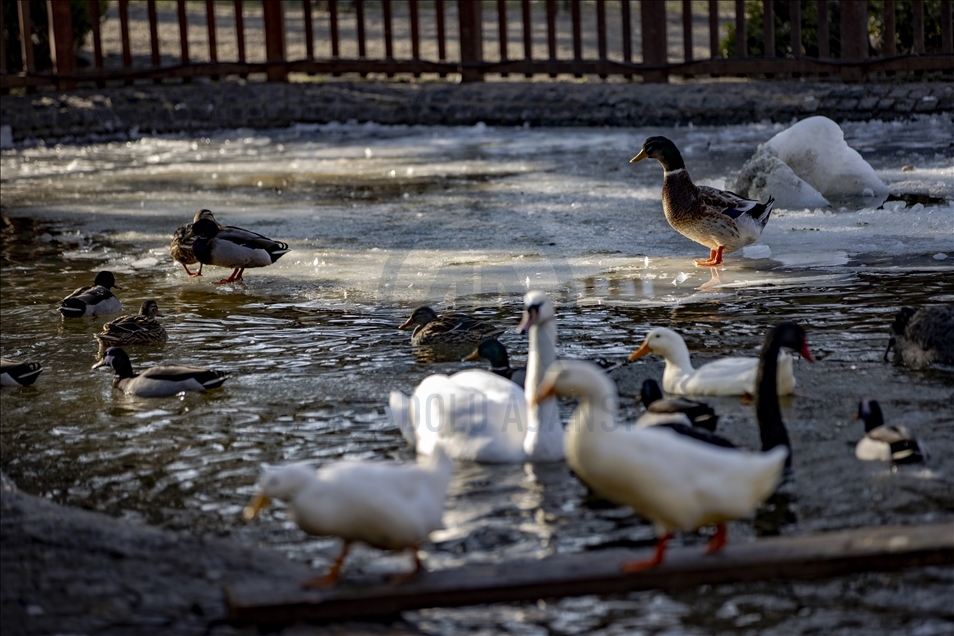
<point x="639" y="353"/>
<point x="473" y="356"/>
<point x="258" y="502"/>
<point x="642" y="155"/>
<point x="545" y="391"/>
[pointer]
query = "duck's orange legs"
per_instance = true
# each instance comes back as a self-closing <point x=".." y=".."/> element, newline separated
<point x="715" y="258"/>
<point x="406" y="576"/>
<point x="333" y="573"/>
<point x="651" y="562"/>
<point x="234" y="278"/>
<point x="718" y="540"/>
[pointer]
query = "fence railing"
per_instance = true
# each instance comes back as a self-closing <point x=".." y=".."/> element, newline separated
<point x="473" y="38"/>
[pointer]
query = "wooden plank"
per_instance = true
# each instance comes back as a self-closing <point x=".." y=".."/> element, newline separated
<point x="441" y="42"/>
<point x="502" y="29"/>
<point x="60" y="27"/>
<point x="273" y="15"/>
<point x="359" y="16"/>
<point x="183" y="35"/>
<point x="415" y="29"/>
<point x="795" y="13"/>
<point x="687" y="30"/>
<point x="917" y="24"/>
<point x="551" y="31"/>
<point x="388" y="30"/>
<point x="333" y="26"/>
<point x="741" y="39"/>
<point x="240" y="33"/>
<point x="275" y="602"/>
<point x="527" y="31"/>
<point x="470" y="15"/>
<point x="155" y="58"/>
<point x="210" y="27"/>
<point x="26" y="35"/>
<point x="652" y="17"/>
<point x="576" y="20"/>
<point x="309" y="30"/>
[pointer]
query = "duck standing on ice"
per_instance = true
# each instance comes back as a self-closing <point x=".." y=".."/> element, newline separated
<point x="722" y="221"/>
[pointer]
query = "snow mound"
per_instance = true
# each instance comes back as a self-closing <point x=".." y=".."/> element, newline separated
<point x="805" y="165"/>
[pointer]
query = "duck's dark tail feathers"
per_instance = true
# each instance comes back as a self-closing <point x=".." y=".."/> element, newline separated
<point x="72" y="308"/>
<point x="763" y="211"/>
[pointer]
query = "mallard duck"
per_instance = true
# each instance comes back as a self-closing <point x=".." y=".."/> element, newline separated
<point x="227" y="246"/>
<point x="143" y="328"/>
<point x="93" y="300"/>
<point x="722" y="221"/>
<point x="387" y="505"/>
<point x="659" y="410"/>
<point x="480" y="416"/>
<point x="728" y="376"/>
<point x="886" y="443"/>
<point x="493" y="351"/>
<point x="447" y="329"/>
<point x="18" y="373"/>
<point x="676" y="482"/>
<point x="923" y="336"/>
<point x="161" y="381"/>
<point x="181" y="245"/>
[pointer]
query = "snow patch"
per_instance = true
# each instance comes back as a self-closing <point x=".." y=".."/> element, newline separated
<point x="806" y="165"/>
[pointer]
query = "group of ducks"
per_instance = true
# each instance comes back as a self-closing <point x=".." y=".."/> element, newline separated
<point x="669" y="465"/>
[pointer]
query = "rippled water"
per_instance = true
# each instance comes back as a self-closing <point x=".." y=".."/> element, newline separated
<point x="482" y="215"/>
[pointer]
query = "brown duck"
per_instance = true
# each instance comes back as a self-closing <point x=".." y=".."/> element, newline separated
<point x="447" y="329"/>
<point x="722" y="221"/>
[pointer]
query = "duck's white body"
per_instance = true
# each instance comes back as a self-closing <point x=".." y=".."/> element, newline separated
<point x="728" y="376"/>
<point x="18" y="373"/>
<point x="168" y="381"/>
<point x="387" y="505"/>
<point x="676" y="482"/>
<point x="480" y="416"/>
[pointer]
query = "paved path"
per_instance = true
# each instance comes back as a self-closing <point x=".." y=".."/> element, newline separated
<point x="132" y="110"/>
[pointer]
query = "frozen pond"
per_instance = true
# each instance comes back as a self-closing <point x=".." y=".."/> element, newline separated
<point x="381" y="219"/>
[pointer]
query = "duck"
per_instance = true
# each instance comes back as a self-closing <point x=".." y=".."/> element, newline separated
<point x="142" y="328"/>
<point x="389" y="506"/>
<point x="162" y="381"/>
<point x="227" y="246"/>
<point x="181" y="246"/>
<point x="494" y="352"/>
<point x="723" y="221"/>
<point x="18" y="372"/>
<point x="676" y="482"/>
<point x="727" y="376"/>
<point x="447" y="329"/>
<point x="921" y="337"/>
<point x="886" y="443"/>
<point x="690" y="412"/>
<point x="93" y="300"/>
<point x="477" y="415"/>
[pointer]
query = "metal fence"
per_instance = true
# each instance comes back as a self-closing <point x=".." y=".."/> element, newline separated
<point x="474" y="38"/>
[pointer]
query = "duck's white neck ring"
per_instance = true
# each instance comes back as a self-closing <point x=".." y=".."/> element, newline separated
<point x="670" y="173"/>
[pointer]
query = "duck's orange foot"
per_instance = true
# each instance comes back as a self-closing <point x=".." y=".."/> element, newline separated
<point x="715" y="258"/>
<point x="646" y="564"/>
<point x="407" y="576"/>
<point x="224" y="281"/>
<point x="718" y="540"/>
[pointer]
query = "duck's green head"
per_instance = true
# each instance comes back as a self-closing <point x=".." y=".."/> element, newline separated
<point x="492" y="351"/>
<point x="662" y="150"/>
<point x="420" y="317"/>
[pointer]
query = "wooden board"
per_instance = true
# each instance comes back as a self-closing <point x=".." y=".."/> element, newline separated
<point x="275" y="602"/>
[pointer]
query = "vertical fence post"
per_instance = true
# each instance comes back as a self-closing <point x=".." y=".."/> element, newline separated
<point x="889" y="45"/>
<point x="527" y="32"/>
<point x="627" y="18"/>
<point x="26" y="35"/>
<point x="273" y="15"/>
<point x="741" y="38"/>
<point x="795" y="14"/>
<point x="768" y="22"/>
<point x="502" y="31"/>
<point x="183" y="36"/>
<point x="947" y="38"/>
<point x="917" y="25"/>
<point x="854" y="38"/>
<point x="3" y="43"/>
<point x="713" y="29"/>
<point x="653" y="19"/>
<point x="687" y="30"/>
<point x="60" y="20"/>
<point x="97" y="41"/>
<point x="824" y="48"/>
<point x="124" y="36"/>
<point x="471" y="39"/>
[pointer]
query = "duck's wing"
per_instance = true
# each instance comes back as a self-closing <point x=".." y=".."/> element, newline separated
<point x="79" y="291"/>
<point x="181" y="247"/>
<point x="253" y="240"/>
<point x="700" y="434"/>
<point x="22" y="373"/>
<point x="208" y="378"/>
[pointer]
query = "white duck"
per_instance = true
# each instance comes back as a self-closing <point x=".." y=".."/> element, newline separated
<point x="676" y="482"/>
<point x="387" y="505"/>
<point x="480" y="416"/>
<point x="886" y="443"/>
<point x="728" y="376"/>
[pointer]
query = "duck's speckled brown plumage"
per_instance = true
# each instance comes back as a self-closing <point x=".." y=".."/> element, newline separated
<point x="721" y="220"/>
<point x="143" y="328"/>
<point x="181" y="245"/>
<point x="447" y="329"/>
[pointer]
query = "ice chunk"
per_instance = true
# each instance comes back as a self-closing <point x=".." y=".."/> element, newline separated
<point x="756" y="251"/>
<point x="940" y="256"/>
<point x="681" y="278"/>
<point x="807" y="162"/>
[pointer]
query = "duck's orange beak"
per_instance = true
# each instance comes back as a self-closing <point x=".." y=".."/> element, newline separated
<point x="545" y="391"/>
<point x="473" y="356"/>
<point x="639" y="353"/>
<point x="407" y="324"/>
<point x="642" y="155"/>
<point x="258" y="502"/>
